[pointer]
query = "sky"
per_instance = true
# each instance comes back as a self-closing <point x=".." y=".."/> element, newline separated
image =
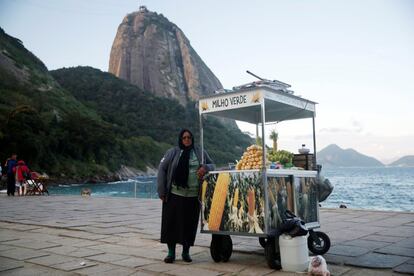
<point x="354" y="58"/>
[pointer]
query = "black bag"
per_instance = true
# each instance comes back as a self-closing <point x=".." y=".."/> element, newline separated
<point x="325" y="188"/>
<point x="293" y="226"/>
<point x="26" y="175"/>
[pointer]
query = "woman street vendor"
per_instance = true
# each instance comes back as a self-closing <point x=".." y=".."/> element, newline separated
<point x="179" y="175"/>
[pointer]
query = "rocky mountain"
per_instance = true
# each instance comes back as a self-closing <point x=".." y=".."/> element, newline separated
<point x="334" y="156"/>
<point x="154" y="54"/>
<point x="405" y="161"/>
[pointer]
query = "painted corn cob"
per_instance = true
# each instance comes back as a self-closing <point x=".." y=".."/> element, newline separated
<point x="218" y="202"/>
<point x="251" y="201"/>
<point x="236" y="197"/>
<point x="271" y="196"/>
<point x="203" y="190"/>
<point x="289" y="196"/>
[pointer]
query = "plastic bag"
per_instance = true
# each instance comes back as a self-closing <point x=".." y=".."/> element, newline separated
<point x="325" y="188"/>
<point x="293" y="226"/>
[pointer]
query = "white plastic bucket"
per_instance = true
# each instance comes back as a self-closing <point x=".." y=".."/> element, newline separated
<point x="294" y="253"/>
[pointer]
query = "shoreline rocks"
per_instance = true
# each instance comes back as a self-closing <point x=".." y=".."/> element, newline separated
<point x="124" y="173"/>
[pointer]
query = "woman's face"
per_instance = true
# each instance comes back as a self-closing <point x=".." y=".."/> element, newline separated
<point x="187" y="139"/>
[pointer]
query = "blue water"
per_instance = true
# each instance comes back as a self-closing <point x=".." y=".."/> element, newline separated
<point x="142" y="187"/>
<point x="387" y="188"/>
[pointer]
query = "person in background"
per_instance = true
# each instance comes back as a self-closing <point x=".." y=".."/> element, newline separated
<point x="180" y="174"/>
<point x="22" y="173"/>
<point x="11" y="180"/>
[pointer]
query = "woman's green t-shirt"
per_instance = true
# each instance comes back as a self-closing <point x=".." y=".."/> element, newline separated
<point x="192" y="190"/>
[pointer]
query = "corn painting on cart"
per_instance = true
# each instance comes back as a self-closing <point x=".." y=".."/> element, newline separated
<point x="252" y="202"/>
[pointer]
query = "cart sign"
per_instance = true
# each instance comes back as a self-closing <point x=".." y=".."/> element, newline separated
<point x="230" y="101"/>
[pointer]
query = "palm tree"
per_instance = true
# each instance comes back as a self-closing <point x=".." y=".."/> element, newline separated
<point x="258" y="141"/>
<point x="274" y="135"/>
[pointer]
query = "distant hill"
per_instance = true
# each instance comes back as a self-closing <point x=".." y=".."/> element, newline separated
<point x="405" y="161"/>
<point x="334" y="156"/>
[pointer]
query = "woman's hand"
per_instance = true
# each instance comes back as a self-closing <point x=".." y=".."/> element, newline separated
<point x="163" y="199"/>
<point x="201" y="172"/>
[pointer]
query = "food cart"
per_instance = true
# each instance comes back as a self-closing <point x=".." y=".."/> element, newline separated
<point x="253" y="202"/>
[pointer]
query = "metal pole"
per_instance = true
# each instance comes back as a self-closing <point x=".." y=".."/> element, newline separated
<point x="263" y="133"/>
<point x="202" y="162"/>
<point x="314" y="142"/>
<point x="256" y="76"/>
<point x="151" y="189"/>
<point x="135" y="190"/>
<point x="201" y="138"/>
<point x="264" y="176"/>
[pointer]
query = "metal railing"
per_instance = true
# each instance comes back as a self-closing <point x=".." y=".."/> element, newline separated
<point x="147" y="187"/>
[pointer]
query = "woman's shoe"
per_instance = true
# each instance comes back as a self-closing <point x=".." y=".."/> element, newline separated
<point x="169" y="259"/>
<point x="186" y="258"/>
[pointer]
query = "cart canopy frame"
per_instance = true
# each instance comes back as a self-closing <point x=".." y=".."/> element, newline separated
<point x="245" y="105"/>
<point x="258" y="104"/>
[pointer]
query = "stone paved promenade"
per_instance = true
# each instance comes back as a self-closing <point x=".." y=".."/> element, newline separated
<point x="62" y="235"/>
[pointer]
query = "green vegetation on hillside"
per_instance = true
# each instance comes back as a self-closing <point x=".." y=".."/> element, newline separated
<point x="33" y="112"/>
<point x="80" y="122"/>
<point x="133" y="112"/>
<point x="13" y="49"/>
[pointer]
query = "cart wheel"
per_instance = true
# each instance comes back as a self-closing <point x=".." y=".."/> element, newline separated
<point x="262" y="242"/>
<point x="227" y="248"/>
<point x="215" y="248"/>
<point x="272" y="255"/>
<point x="221" y="248"/>
<point x="318" y="242"/>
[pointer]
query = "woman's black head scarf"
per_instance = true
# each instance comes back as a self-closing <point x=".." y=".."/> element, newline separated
<point x="181" y="173"/>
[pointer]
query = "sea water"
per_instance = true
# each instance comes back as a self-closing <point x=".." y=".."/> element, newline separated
<point x="382" y="188"/>
<point x="141" y="187"/>
<point x="379" y="188"/>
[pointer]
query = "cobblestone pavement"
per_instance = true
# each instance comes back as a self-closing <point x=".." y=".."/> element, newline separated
<point x="73" y="235"/>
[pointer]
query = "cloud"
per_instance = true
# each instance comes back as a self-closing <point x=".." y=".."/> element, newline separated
<point x="355" y="127"/>
<point x="334" y="130"/>
<point x="303" y="137"/>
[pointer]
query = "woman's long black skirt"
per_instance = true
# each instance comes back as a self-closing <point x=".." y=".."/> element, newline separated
<point x="180" y="220"/>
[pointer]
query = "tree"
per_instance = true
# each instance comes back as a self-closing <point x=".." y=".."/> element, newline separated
<point x="274" y="136"/>
<point x="259" y="141"/>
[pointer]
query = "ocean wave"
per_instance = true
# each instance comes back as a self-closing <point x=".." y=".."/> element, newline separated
<point x="69" y="185"/>
<point x="144" y="182"/>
